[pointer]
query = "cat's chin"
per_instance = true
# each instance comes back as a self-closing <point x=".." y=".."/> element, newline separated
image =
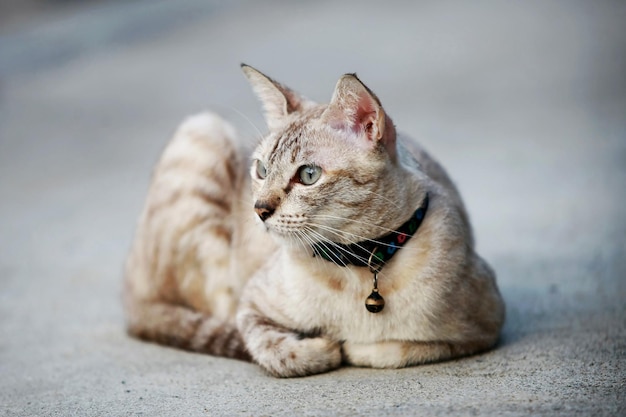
<point x="290" y="241"/>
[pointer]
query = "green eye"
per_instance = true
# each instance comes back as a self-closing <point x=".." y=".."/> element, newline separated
<point x="261" y="171"/>
<point x="309" y="174"/>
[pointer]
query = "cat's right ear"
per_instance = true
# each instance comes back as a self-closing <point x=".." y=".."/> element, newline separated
<point x="278" y="101"/>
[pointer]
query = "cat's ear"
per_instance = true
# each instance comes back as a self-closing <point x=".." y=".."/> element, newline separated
<point x="278" y="101"/>
<point x="355" y="109"/>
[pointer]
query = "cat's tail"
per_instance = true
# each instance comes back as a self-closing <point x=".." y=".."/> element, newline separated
<point x="181" y="327"/>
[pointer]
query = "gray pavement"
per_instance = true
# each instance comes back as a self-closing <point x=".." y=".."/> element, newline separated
<point x="523" y="102"/>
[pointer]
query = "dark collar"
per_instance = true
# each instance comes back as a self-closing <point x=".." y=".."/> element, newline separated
<point x="360" y="253"/>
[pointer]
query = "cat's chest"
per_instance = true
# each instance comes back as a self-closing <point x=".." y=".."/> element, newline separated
<point x="331" y="299"/>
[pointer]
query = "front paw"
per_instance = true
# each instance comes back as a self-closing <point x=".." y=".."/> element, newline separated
<point x="287" y="355"/>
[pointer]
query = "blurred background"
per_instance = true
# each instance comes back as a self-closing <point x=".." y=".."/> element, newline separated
<point x="524" y="103"/>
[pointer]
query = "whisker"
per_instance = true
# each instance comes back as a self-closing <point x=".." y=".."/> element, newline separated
<point x="319" y="242"/>
<point x="325" y="239"/>
<point x="246" y="118"/>
<point x="306" y="237"/>
<point x="328" y="216"/>
<point x="359" y="257"/>
<point x="298" y="234"/>
<point x="352" y="273"/>
<point x="394" y="203"/>
<point x="345" y="235"/>
<point x="310" y="242"/>
<point x="340" y="233"/>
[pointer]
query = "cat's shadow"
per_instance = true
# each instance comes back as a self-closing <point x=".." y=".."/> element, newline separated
<point x="529" y="311"/>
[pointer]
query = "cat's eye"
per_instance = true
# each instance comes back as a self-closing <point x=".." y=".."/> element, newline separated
<point x="309" y="174"/>
<point x="261" y="171"/>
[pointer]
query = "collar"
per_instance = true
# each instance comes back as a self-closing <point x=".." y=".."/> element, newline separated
<point x="381" y="249"/>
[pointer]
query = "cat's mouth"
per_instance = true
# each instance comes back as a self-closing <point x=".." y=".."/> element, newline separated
<point x="284" y="232"/>
<point x="285" y="224"/>
<point x="280" y="232"/>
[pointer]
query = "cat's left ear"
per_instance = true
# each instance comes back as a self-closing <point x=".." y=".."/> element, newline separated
<point x="278" y="100"/>
<point x="355" y="109"/>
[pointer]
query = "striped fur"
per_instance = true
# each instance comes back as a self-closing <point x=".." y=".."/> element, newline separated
<point x="205" y="273"/>
<point x="182" y="276"/>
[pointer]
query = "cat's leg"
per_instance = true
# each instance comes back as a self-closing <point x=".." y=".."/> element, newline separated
<point x="283" y="352"/>
<point x="398" y="354"/>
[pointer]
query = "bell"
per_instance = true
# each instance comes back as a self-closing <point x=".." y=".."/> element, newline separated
<point x="375" y="302"/>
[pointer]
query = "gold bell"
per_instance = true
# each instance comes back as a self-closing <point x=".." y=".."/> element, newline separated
<point x="375" y="302"/>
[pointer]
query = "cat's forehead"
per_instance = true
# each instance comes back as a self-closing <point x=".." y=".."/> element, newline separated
<point x="302" y="139"/>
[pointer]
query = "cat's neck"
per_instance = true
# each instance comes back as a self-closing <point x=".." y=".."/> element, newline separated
<point x="383" y="247"/>
<point x="404" y="188"/>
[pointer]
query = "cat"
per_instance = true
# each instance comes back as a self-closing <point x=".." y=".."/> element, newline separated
<point x="345" y="243"/>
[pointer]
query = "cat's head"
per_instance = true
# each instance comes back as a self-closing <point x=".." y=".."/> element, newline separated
<point x="323" y="171"/>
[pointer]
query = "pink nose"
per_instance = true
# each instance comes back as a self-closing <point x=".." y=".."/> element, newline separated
<point x="263" y="210"/>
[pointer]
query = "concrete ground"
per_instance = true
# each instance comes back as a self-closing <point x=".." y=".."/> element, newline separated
<point x="523" y="102"/>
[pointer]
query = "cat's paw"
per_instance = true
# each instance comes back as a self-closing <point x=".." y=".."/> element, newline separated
<point x="290" y="356"/>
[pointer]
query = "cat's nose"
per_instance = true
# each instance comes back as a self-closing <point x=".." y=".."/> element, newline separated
<point x="264" y="210"/>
